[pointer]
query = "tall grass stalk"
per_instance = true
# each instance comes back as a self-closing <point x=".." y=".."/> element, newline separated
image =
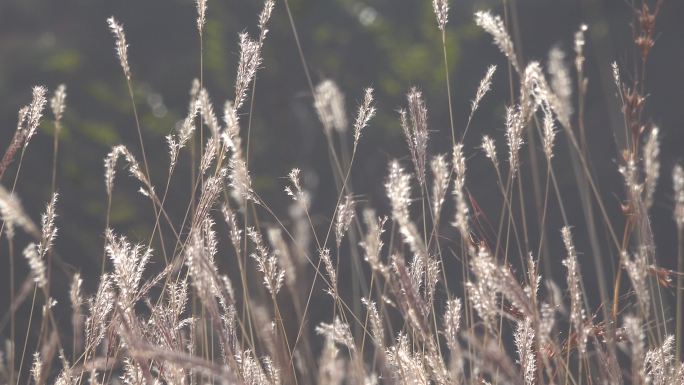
<point x="406" y="315"/>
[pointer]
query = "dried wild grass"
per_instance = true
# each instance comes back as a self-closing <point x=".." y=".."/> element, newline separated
<point x="428" y="308"/>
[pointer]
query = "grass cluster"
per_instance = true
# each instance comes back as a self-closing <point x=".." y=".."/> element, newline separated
<point x="438" y="292"/>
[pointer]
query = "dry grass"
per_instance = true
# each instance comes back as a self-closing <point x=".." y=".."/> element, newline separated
<point x="447" y="298"/>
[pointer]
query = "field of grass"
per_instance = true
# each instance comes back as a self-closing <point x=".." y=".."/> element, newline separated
<point x="431" y="287"/>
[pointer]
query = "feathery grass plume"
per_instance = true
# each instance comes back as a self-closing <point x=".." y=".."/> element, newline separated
<point x="547" y="323"/>
<point x="129" y="262"/>
<point x="372" y="241"/>
<point x="418" y="270"/>
<point x="75" y="291"/>
<point x="282" y="251"/>
<point x="399" y="191"/>
<point x="110" y="166"/>
<point x="345" y="215"/>
<point x="48" y="228"/>
<point x="451" y="330"/>
<point x="177" y="299"/>
<point x="533" y="279"/>
<point x="187" y="128"/>
<point x="294" y="178"/>
<point x="410" y="303"/>
<point x="16" y="142"/>
<point x="651" y="151"/>
<point x="616" y="76"/>
<point x="524" y="341"/>
<point x="637" y="270"/>
<point x="133" y="168"/>
<point x="199" y="257"/>
<point x="100" y="306"/>
<point x="21" y="118"/>
<point x="494" y="26"/>
<point x="398" y="187"/>
<point x="339" y="332"/>
<point x="267" y="263"/>
<point x="462" y="211"/>
<point x="233" y="227"/>
<point x="211" y="151"/>
<point x="663" y="368"/>
<point x="431" y="278"/>
<point x="489" y="149"/>
<point x="440" y="172"/>
<point x="494" y="281"/>
<point x="415" y="129"/>
<point x="36" y="264"/>
<point x="252" y="371"/>
<point x="201" y="14"/>
<point x="577" y="314"/>
<point x="66" y="376"/>
<point x="206" y="109"/>
<point x="271" y="371"/>
<point x="193" y="103"/>
<point x="330" y="269"/>
<point x="548" y="134"/>
<point x="231" y="135"/>
<point x="678" y="187"/>
<point x="58" y="102"/>
<point x="211" y="190"/>
<point x="483" y="291"/>
<point x="240" y="181"/>
<point x="441" y="8"/>
<point x="630" y="174"/>
<point x="535" y="92"/>
<point x="561" y="82"/>
<point x="635" y="336"/>
<point x="250" y="59"/>
<point x="580" y="41"/>
<point x="27" y="124"/>
<point x="37" y="368"/>
<point x="405" y="366"/>
<point x="377" y="328"/>
<point x="530" y="93"/>
<point x="35" y="253"/>
<point x="514" y="132"/>
<point x="168" y="321"/>
<point x="482" y="89"/>
<point x="12" y="214"/>
<point x="34" y="112"/>
<point x="459" y="165"/>
<point x="452" y="324"/>
<point x="120" y="44"/>
<point x="365" y="114"/>
<point x="133" y="373"/>
<point x="264" y="17"/>
<point x="295" y="190"/>
<point x="136" y="172"/>
<point x="329" y="104"/>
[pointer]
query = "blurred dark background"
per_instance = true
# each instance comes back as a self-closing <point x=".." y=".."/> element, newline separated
<point x="387" y="44"/>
